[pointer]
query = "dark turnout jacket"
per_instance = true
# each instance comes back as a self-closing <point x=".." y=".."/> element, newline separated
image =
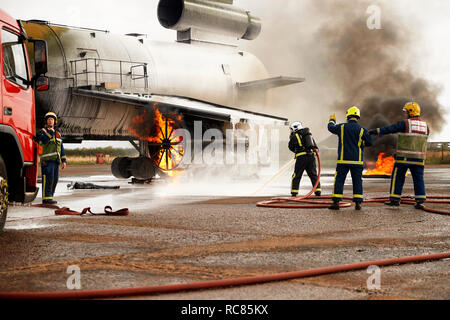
<point x="352" y="140"/>
<point x="298" y="143"/>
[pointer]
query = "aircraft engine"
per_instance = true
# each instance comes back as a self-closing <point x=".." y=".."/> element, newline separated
<point x="218" y="17"/>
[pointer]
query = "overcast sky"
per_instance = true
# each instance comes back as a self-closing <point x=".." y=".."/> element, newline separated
<point x="430" y="19"/>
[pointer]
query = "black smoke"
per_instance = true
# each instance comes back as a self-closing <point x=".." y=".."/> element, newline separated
<point x="347" y="64"/>
<point x="369" y="68"/>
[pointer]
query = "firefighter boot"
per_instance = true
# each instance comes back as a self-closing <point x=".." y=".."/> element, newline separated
<point x="49" y="202"/>
<point x="334" y="206"/>
<point x="393" y="203"/>
<point x="419" y="205"/>
<point x="358" y="205"/>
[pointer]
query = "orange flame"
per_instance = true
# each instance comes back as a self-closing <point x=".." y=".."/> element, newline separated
<point x="167" y="159"/>
<point x="384" y="166"/>
<point x="161" y="122"/>
<point x="162" y="135"/>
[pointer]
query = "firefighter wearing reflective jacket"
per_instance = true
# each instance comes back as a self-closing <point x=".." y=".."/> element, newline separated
<point x="52" y="156"/>
<point x="410" y="154"/>
<point x="352" y="140"/>
<point x="303" y="145"/>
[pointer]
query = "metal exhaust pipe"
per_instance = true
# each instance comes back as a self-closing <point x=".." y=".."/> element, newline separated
<point x="218" y="17"/>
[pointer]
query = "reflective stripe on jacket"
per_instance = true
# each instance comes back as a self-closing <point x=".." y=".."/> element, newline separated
<point x="412" y="140"/>
<point x="352" y="140"/>
<point x="297" y="145"/>
<point x="52" y="145"/>
<point x="413" y="143"/>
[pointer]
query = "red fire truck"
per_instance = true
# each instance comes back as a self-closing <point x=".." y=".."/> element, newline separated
<point x="19" y="78"/>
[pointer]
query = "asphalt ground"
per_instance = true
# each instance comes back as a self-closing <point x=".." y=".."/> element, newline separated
<point x="206" y="228"/>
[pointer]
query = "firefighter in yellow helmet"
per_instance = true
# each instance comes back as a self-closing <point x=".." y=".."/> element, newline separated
<point x="352" y="140"/>
<point x="410" y="154"/>
<point x="52" y="156"/>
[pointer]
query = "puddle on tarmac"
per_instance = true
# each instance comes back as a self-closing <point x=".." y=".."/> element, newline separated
<point x="26" y="225"/>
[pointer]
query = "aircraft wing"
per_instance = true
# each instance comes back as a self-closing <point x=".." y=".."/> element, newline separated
<point x="270" y="83"/>
<point x="186" y="106"/>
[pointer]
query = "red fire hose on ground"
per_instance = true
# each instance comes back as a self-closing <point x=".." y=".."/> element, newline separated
<point x="172" y="288"/>
<point x="308" y="202"/>
<point x="305" y="202"/>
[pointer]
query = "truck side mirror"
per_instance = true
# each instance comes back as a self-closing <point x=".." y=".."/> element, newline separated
<point x="42" y="84"/>
<point x="40" y="57"/>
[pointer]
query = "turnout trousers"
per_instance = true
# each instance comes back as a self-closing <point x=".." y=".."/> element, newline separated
<point x="339" y="181"/>
<point x="304" y="162"/>
<point x="50" y="176"/>
<point x="398" y="180"/>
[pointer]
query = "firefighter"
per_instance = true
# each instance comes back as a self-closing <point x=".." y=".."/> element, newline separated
<point x="52" y="156"/>
<point x="302" y="145"/>
<point x="410" y="154"/>
<point x="352" y="140"/>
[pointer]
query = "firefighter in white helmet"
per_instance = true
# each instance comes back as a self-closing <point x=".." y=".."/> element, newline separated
<point x="302" y="144"/>
<point x="52" y="156"/>
<point x="411" y="153"/>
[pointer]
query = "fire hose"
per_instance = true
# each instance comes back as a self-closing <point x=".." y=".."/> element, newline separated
<point x="172" y="288"/>
<point x="308" y="202"/>
<point x="277" y="202"/>
<point x="65" y="211"/>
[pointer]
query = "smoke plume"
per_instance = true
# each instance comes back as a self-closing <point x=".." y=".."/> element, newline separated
<point x="346" y="64"/>
<point x="368" y="67"/>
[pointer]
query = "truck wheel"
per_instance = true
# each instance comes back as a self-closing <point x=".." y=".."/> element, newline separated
<point x="3" y="194"/>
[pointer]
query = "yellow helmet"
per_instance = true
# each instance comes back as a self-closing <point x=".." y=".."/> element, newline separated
<point x="51" y="115"/>
<point x="413" y="109"/>
<point x="353" y="112"/>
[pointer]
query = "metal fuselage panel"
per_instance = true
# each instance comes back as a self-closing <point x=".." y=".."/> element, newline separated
<point x="81" y="58"/>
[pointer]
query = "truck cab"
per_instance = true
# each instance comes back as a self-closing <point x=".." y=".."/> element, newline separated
<point x="18" y="82"/>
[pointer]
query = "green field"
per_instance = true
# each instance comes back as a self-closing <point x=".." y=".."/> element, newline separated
<point x="85" y="156"/>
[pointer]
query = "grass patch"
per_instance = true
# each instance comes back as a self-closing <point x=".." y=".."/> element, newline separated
<point x="85" y="156"/>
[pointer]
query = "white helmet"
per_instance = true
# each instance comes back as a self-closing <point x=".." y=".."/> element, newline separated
<point x="295" y="126"/>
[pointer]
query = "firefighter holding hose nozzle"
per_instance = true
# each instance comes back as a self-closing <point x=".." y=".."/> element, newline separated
<point x="352" y="140"/>
<point x="302" y="144"/>
<point x="411" y="154"/>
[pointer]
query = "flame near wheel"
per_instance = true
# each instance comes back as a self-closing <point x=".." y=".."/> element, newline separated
<point x="166" y="149"/>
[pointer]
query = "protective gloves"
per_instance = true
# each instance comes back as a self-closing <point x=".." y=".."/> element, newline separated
<point x="374" y="132"/>
<point x="333" y="117"/>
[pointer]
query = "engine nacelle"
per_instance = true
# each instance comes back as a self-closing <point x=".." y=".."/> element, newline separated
<point x="211" y="16"/>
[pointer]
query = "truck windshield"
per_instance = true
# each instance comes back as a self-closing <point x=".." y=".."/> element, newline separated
<point x="14" y="63"/>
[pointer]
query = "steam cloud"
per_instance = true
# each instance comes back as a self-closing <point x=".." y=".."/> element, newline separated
<point x="348" y="64"/>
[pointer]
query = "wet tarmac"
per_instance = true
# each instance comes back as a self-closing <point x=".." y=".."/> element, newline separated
<point x="195" y="228"/>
